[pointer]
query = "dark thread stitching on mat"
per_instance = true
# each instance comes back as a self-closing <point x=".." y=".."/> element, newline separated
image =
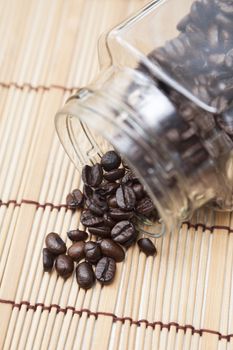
<point x="59" y="206"/>
<point x="37" y="87"/>
<point x="138" y="323"/>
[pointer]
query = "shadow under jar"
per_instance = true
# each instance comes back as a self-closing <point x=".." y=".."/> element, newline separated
<point x="163" y="100"/>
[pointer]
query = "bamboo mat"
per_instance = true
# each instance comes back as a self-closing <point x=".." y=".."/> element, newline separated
<point x="181" y="299"/>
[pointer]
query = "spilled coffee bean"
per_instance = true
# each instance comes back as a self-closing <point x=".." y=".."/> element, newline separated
<point x="64" y="265"/>
<point x="112" y="250"/>
<point x="110" y="160"/>
<point x="48" y="260"/>
<point x="55" y="244"/>
<point x="125" y="197"/>
<point x="147" y="246"/>
<point x="92" y="175"/>
<point x="105" y="270"/>
<point x="92" y="252"/>
<point x="111" y="202"/>
<point x="76" y="251"/>
<point x="85" y="275"/>
<point x="75" y="199"/>
<point x="77" y="235"/>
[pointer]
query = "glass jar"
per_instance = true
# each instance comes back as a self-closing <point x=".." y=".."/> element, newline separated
<point x="163" y="99"/>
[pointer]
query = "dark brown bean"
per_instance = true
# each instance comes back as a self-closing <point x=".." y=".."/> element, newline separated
<point x="114" y="175"/>
<point x="64" y="265"/>
<point x="92" y="175"/>
<point x="112" y="202"/>
<point x="147" y="246"/>
<point x="125" y="197"/>
<point x="105" y="270"/>
<point x="77" y="235"/>
<point x="107" y="189"/>
<point x="92" y="252"/>
<point x="76" y="251"/>
<point x="145" y="206"/>
<point x="89" y="219"/>
<point x="85" y="275"/>
<point x="55" y="244"/>
<point x="124" y="233"/>
<point x="129" y="178"/>
<point x="110" y="160"/>
<point x="101" y="231"/>
<point x="138" y="191"/>
<point x="48" y="259"/>
<point x="108" y="221"/>
<point x="75" y="199"/>
<point x="118" y="214"/>
<point x="87" y="191"/>
<point x="112" y="249"/>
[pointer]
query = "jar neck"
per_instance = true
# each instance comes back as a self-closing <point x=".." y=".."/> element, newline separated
<point x="126" y="109"/>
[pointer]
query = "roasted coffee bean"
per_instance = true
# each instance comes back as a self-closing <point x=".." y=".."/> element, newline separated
<point x="114" y="175"/>
<point x="147" y="246"/>
<point x="75" y="199"/>
<point x="48" y="259"/>
<point x="92" y="252"/>
<point x="94" y="208"/>
<point x="138" y="191"/>
<point x="92" y="175"/>
<point x="89" y="219"/>
<point x="124" y="233"/>
<point x="112" y="249"/>
<point x="108" y="221"/>
<point x="76" y="251"/>
<point x="145" y="206"/>
<point x="64" y="265"/>
<point x="118" y="214"/>
<point x="101" y="231"/>
<point x="112" y="202"/>
<point x="129" y="178"/>
<point x="77" y="235"/>
<point x="55" y="244"/>
<point x="110" y="160"/>
<point x="125" y="197"/>
<point x="105" y="270"/>
<point x="107" y="189"/>
<point x="87" y="191"/>
<point x="85" y="275"/>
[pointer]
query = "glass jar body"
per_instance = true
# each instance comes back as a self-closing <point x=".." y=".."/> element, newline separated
<point x="153" y="104"/>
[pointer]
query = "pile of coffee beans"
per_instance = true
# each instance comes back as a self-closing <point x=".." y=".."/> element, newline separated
<point x="111" y="201"/>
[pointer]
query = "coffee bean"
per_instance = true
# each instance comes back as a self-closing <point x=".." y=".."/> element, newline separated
<point x="129" y="178"/>
<point x="94" y="208"/>
<point x="124" y="233"/>
<point x="107" y="189"/>
<point x="110" y="160"/>
<point x="48" y="260"/>
<point x="87" y="191"/>
<point x="89" y="219"/>
<point x="112" y="202"/>
<point x="92" y="252"/>
<point x="85" y="275"/>
<point x="125" y="197"/>
<point x="147" y="246"/>
<point x="76" y="251"/>
<point x="77" y="235"/>
<point x="64" y="265"/>
<point x="145" y="206"/>
<point x="118" y="214"/>
<point x="75" y="199"/>
<point x="92" y="175"/>
<point x="114" y="175"/>
<point x="105" y="270"/>
<point x="108" y="221"/>
<point x="101" y="231"/>
<point x="138" y="191"/>
<point x="112" y="249"/>
<point x="55" y="244"/>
